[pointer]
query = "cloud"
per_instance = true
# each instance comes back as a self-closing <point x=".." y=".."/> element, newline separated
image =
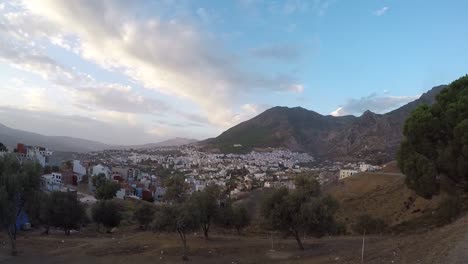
<point x="381" y="11"/>
<point x="373" y="102"/>
<point x="279" y="52"/>
<point x="172" y="57"/>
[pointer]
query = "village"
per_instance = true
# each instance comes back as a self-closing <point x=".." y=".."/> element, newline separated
<point x="141" y="174"/>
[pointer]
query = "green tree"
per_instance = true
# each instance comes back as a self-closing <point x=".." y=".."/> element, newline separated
<point x="67" y="212"/>
<point x="99" y="180"/>
<point x="19" y="183"/>
<point x="205" y="204"/>
<point x="145" y="215"/>
<point x="39" y="212"/>
<point x="240" y="218"/>
<point x="178" y="218"/>
<point x="302" y="210"/>
<point x="3" y="148"/>
<point x="435" y="146"/>
<point x="107" y="190"/>
<point x="106" y="213"/>
<point x="176" y="189"/>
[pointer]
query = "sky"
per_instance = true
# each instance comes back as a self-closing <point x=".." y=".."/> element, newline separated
<point x="134" y="72"/>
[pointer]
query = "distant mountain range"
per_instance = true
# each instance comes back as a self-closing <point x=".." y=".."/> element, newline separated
<point x="10" y="137"/>
<point x="371" y="137"/>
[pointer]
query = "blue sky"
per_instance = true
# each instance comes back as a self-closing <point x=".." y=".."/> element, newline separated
<point x="131" y="72"/>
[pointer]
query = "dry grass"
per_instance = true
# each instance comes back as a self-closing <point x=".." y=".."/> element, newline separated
<point x="379" y="195"/>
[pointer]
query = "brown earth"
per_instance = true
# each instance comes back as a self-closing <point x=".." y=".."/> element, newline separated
<point x="146" y="247"/>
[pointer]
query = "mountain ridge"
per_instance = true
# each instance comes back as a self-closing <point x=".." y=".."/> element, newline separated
<point x="11" y="136"/>
<point x="371" y="136"/>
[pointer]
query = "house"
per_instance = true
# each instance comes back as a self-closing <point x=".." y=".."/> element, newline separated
<point x="347" y="173"/>
<point x="34" y="153"/>
<point x="51" y="182"/>
<point x="79" y="170"/>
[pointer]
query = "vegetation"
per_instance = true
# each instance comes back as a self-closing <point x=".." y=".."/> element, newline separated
<point x="144" y="215"/>
<point x="176" y="189"/>
<point x="18" y="185"/>
<point x="107" y="213"/>
<point x="107" y="190"/>
<point x="240" y="218"/>
<point x="436" y="142"/>
<point x="66" y="211"/>
<point x="366" y="224"/>
<point x="303" y="210"/>
<point x="205" y="205"/>
<point x="178" y="218"/>
<point x="3" y="148"/>
<point x="448" y="210"/>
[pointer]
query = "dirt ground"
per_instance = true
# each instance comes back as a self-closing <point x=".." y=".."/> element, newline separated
<point x="442" y="245"/>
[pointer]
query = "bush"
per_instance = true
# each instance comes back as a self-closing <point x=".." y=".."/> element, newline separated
<point x="106" y="213"/>
<point x="144" y="215"/>
<point x="448" y="210"/>
<point x="367" y="224"/>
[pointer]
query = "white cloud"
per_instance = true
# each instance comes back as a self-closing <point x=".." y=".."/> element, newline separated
<point x="171" y="57"/>
<point x="381" y="11"/>
<point x="374" y="103"/>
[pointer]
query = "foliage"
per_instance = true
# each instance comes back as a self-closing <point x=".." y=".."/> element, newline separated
<point x="436" y="142"/>
<point x="66" y="211"/>
<point x="144" y="215"/>
<point x="19" y="184"/>
<point x="301" y="210"/>
<point x="99" y="180"/>
<point x="367" y="224"/>
<point x="205" y="204"/>
<point x="448" y="210"/>
<point x="3" y="148"/>
<point x="107" y="190"/>
<point x="107" y="213"/>
<point x="39" y="212"/>
<point x="178" y="218"/>
<point x="176" y="189"/>
<point x="240" y="218"/>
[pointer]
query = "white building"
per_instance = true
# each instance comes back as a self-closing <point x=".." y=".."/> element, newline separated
<point x="98" y="169"/>
<point x="347" y="173"/>
<point x="51" y="182"/>
<point x="79" y="170"/>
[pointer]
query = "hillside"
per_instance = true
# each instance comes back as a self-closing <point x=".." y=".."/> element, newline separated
<point x="372" y="137"/>
<point x="381" y="195"/>
<point x="10" y="137"/>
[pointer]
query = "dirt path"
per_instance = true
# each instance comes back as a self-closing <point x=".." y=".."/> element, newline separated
<point x="459" y="254"/>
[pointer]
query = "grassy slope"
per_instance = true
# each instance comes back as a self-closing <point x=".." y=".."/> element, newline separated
<point x="379" y="195"/>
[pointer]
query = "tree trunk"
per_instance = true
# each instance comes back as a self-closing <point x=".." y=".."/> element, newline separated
<point x="206" y="228"/>
<point x="184" y="245"/>
<point x="238" y="231"/>
<point x="46" y="231"/>
<point x="298" y="239"/>
<point x="11" y="235"/>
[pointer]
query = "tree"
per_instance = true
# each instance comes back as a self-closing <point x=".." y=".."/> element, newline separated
<point x="240" y="218"/>
<point x="3" y="148"/>
<point x="176" y="189"/>
<point x="67" y="212"/>
<point x="145" y="215"/>
<point x="205" y="204"/>
<point x="18" y="185"/>
<point x="107" y="190"/>
<point x="178" y="218"/>
<point x="106" y="213"/>
<point x="99" y="180"/>
<point x="435" y="145"/>
<point x="40" y="212"/>
<point x="301" y="210"/>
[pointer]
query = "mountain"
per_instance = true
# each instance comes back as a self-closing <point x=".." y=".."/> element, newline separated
<point x="10" y="137"/>
<point x="372" y="137"/>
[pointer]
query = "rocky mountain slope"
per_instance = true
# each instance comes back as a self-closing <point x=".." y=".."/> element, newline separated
<point x="373" y="137"/>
